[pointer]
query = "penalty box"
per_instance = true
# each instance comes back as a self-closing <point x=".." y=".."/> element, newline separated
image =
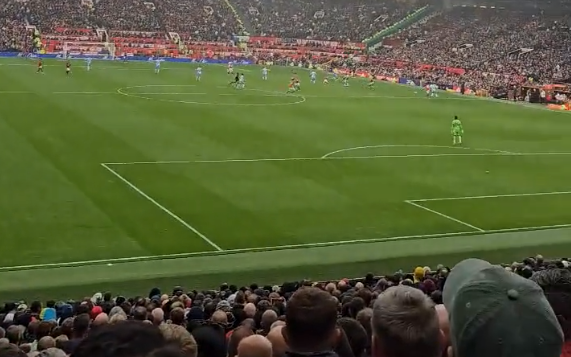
<point x="503" y="211"/>
<point x="269" y="202"/>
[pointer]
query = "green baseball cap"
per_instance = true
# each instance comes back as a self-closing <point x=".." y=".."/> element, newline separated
<point x="496" y="313"/>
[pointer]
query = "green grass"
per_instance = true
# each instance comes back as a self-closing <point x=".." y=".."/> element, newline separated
<point x="244" y="170"/>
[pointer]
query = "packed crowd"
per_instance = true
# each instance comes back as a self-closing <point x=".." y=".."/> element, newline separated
<point x="490" y="40"/>
<point x="323" y="20"/>
<point x="215" y="19"/>
<point x="13" y="34"/>
<point x="199" y="20"/>
<point x="473" y="309"/>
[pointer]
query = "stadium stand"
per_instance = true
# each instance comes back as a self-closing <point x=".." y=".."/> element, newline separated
<point x="303" y="315"/>
<point x="406" y="314"/>
<point x="202" y="20"/>
<point x="323" y="20"/>
<point x="504" y="45"/>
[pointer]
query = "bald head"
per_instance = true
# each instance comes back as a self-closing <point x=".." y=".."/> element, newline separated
<point x="276" y="338"/>
<point x="158" y="315"/>
<point x="237" y="336"/>
<point x="277" y="323"/>
<point x="255" y="346"/>
<point x="250" y="309"/>
<point x="101" y="319"/>
<point x="219" y="317"/>
<point x="268" y="318"/>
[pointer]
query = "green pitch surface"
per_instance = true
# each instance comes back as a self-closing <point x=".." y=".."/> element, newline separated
<point x="126" y="167"/>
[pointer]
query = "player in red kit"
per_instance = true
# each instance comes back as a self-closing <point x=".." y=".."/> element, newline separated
<point x="40" y="67"/>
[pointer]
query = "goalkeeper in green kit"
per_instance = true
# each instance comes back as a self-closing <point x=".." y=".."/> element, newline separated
<point x="457" y="131"/>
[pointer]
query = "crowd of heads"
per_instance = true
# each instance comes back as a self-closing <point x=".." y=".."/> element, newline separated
<point x="201" y="19"/>
<point x="503" y="42"/>
<point x="334" y="20"/>
<point x="471" y="310"/>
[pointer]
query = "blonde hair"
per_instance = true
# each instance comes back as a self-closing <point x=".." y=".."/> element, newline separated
<point x="181" y="337"/>
<point x="117" y="318"/>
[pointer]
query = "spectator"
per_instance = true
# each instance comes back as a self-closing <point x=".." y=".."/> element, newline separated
<point x="46" y="342"/>
<point x="311" y="321"/>
<point x="53" y="352"/>
<point x="15" y="334"/>
<point x="556" y="285"/>
<point x="80" y="328"/>
<point x="180" y="338"/>
<point x="364" y="317"/>
<point x="255" y="346"/>
<point x="11" y="350"/>
<point x="100" y="320"/>
<point x="127" y="338"/>
<point x="237" y="336"/>
<point x="405" y="324"/>
<point x="177" y="316"/>
<point x="140" y="313"/>
<point x="356" y="335"/>
<point x="158" y="316"/>
<point x="276" y="338"/>
<point x="210" y="336"/>
<point x="497" y="313"/>
<point x="268" y="318"/>
<point x="444" y="324"/>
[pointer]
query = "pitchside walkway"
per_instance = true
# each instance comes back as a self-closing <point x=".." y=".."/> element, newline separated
<point x="277" y="266"/>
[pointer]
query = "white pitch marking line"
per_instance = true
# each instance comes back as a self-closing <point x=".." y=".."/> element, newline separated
<point x="493" y="196"/>
<point x="330" y="158"/>
<point x="411" y="145"/>
<point x="163" y="208"/>
<point x="279" y="247"/>
<point x="445" y="216"/>
<point x="83" y="93"/>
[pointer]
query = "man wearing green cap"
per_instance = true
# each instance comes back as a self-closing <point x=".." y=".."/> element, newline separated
<point x="494" y="312"/>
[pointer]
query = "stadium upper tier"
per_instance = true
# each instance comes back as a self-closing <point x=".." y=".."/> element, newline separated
<point x="218" y="19"/>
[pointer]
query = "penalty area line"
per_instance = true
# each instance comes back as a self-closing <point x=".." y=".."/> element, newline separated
<point x="493" y="196"/>
<point x="446" y="216"/>
<point x="162" y="208"/>
<point x="330" y="158"/>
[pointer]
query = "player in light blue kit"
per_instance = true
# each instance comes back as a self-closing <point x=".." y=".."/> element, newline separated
<point x="198" y="73"/>
<point x="157" y="66"/>
<point x="312" y="77"/>
<point x="264" y="74"/>
<point x="241" y="82"/>
<point x="88" y="63"/>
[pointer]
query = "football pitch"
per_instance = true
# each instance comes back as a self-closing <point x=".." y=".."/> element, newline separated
<point x="120" y="178"/>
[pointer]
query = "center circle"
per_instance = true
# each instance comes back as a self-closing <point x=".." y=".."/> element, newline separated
<point x="158" y="92"/>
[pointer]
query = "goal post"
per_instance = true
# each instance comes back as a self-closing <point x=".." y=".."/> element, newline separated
<point x="79" y="49"/>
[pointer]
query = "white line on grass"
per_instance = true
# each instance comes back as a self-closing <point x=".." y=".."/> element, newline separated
<point x="492" y="196"/>
<point x="331" y="158"/>
<point x="445" y="216"/>
<point x="163" y="208"/>
<point x="83" y="93"/>
<point x="263" y="249"/>
<point x="411" y="145"/>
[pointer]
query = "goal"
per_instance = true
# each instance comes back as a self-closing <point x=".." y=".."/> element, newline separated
<point x="84" y="48"/>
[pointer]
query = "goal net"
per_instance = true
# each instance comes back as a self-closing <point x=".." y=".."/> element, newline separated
<point x="80" y="49"/>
